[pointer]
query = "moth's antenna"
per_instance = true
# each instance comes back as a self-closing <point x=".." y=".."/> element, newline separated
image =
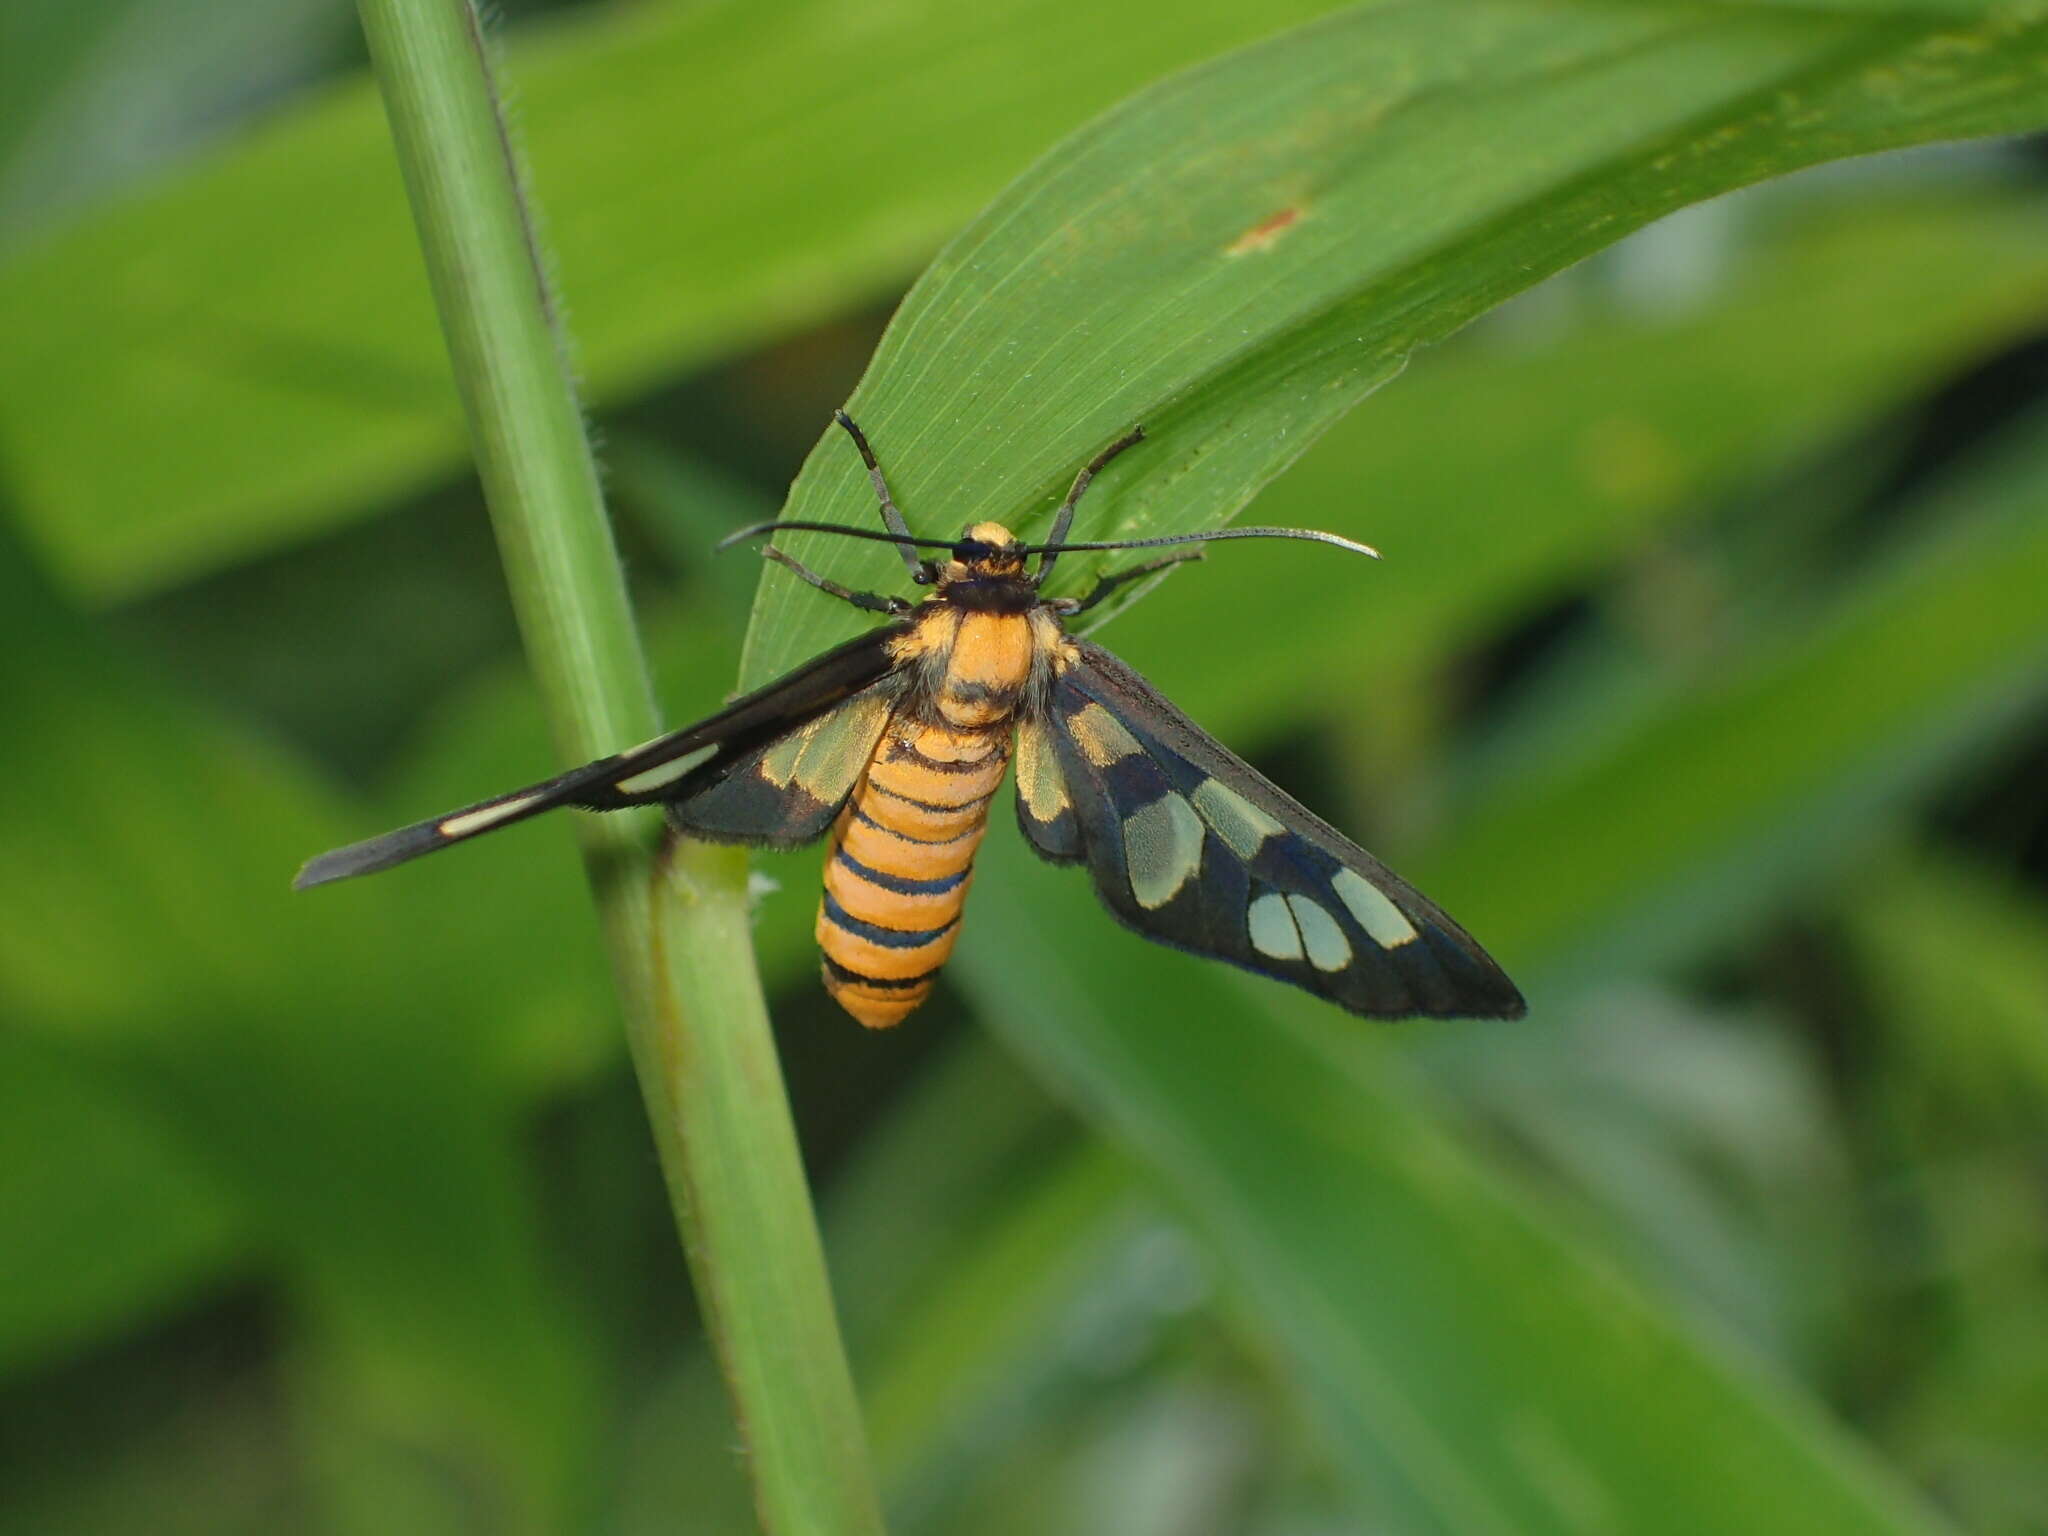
<point x="892" y="519"/>
<point x="1212" y="536"/>
<point x="755" y="530"/>
<point x="1049" y="551"/>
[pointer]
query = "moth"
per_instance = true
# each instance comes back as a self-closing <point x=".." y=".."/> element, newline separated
<point x="893" y="745"/>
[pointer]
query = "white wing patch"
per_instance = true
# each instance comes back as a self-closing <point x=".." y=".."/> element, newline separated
<point x="1038" y="773"/>
<point x="487" y="816"/>
<point x="1241" y="825"/>
<point x="1272" y="928"/>
<point x="1378" y="916"/>
<point x="824" y="757"/>
<point x="1163" y="848"/>
<point x="1328" y="949"/>
<point x="1102" y="736"/>
<point x="667" y="773"/>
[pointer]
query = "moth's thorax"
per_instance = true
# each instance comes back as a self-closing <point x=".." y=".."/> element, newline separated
<point x="983" y="641"/>
<point x="976" y="667"/>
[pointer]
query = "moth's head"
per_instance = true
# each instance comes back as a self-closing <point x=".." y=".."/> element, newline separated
<point x="983" y="552"/>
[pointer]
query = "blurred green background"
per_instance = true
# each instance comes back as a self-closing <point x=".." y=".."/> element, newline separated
<point x="1706" y="681"/>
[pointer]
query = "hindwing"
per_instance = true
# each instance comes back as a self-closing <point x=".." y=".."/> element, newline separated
<point x="773" y="767"/>
<point x="787" y="791"/>
<point x="1190" y="845"/>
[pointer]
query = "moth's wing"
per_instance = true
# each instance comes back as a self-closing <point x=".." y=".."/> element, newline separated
<point x="1191" y="846"/>
<point x="787" y="791"/>
<point x="727" y="760"/>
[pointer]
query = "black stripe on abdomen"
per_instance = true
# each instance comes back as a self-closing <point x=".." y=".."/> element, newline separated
<point x="900" y="884"/>
<point x="972" y="830"/>
<point x="888" y="938"/>
<point x="936" y="807"/>
<point x="849" y="977"/>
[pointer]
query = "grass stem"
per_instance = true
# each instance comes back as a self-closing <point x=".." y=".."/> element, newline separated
<point x="674" y="913"/>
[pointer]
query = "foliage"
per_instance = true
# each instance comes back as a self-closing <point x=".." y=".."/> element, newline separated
<point x="1704" y="680"/>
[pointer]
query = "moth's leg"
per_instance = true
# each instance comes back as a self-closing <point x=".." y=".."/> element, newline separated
<point x="873" y="602"/>
<point x="1108" y="584"/>
<point x="892" y="516"/>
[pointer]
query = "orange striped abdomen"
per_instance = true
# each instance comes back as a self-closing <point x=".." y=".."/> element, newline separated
<point x="899" y="864"/>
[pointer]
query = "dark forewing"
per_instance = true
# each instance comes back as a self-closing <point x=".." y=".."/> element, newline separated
<point x="1191" y="846"/>
<point x="722" y="777"/>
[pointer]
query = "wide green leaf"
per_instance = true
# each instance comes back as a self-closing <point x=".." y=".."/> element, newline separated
<point x="1238" y="256"/>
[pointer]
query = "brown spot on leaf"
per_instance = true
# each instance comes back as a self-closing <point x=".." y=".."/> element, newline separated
<point x="1263" y="234"/>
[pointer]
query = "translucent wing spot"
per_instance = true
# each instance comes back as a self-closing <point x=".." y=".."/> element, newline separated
<point x="1233" y="818"/>
<point x="835" y="754"/>
<point x="1272" y="928"/>
<point x="666" y="774"/>
<point x="827" y="755"/>
<point x="1038" y="775"/>
<point x="1102" y="737"/>
<point x="1163" y="848"/>
<point x="488" y="816"/>
<point x="778" y="763"/>
<point x="1328" y="949"/>
<point x="1378" y="916"/>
